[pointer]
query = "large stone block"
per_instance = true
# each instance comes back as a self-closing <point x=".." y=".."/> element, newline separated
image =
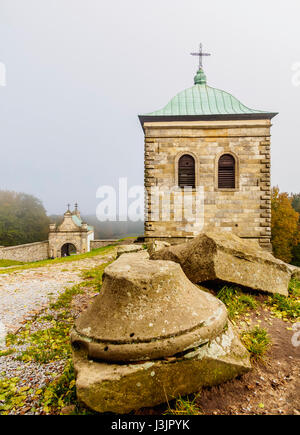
<point x="225" y="257"/>
<point x="125" y="249"/>
<point x="121" y="388"/>
<point x="151" y="335"/>
<point x="156" y="245"/>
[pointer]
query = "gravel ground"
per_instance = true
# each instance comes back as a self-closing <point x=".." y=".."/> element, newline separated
<point x="24" y="294"/>
<point x="32" y="376"/>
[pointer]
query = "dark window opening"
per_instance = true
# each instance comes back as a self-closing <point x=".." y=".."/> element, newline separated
<point x="186" y="171"/>
<point x="226" y="172"/>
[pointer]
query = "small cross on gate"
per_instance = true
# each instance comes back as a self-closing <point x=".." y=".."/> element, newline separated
<point x="200" y="54"/>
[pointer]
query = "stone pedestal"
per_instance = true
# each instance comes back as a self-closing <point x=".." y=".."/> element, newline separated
<point x="150" y="336"/>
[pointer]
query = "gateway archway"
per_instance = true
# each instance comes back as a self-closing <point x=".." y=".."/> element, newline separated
<point x="68" y="249"/>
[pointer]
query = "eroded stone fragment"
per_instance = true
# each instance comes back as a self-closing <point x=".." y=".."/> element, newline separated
<point x="225" y="257"/>
<point x="147" y="310"/>
<point x="157" y="245"/>
<point x="150" y="336"/>
<point x="121" y="388"/>
<point x="124" y="249"/>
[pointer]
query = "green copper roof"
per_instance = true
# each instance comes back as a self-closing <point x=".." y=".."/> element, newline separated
<point x="78" y="222"/>
<point x="202" y="99"/>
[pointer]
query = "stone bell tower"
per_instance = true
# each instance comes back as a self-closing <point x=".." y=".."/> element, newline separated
<point x="207" y="166"/>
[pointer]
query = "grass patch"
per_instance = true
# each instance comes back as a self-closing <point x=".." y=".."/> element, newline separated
<point x="236" y="302"/>
<point x="6" y="352"/>
<point x="95" y="276"/>
<point x="7" y="263"/>
<point x="61" y="392"/>
<point x="294" y="288"/>
<point x="48" y="345"/>
<point x="286" y="308"/>
<point x="64" y="300"/>
<point x="100" y="251"/>
<point x="129" y="237"/>
<point x="257" y="342"/>
<point x="184" y="406"/>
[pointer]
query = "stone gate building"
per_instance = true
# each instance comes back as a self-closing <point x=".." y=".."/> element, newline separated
<point x="209" y="144"/>
<point x="72" y="236"/>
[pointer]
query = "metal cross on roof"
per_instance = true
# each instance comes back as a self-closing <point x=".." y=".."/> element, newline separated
<point x="200" y="54"/>
<point x="68" y="206"/>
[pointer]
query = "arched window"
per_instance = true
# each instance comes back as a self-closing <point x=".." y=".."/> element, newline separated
<point x="186" y="171"/>
<point x="226" y="172"/>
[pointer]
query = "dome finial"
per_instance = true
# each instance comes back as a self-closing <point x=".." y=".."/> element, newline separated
<point x="200" y="78"/>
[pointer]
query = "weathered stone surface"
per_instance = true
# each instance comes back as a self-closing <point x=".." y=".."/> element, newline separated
<point x="295" y="272"/>
<point x="206" y="141"/>
<point x="156" y="246"/>
<point x="150" y="336"/>
<point x="121" y="388"/>
<point x="125" y="249"/>
<point x="29" y="252"/>
<point x="225" y="257"/>
<point x="147" y="310"/>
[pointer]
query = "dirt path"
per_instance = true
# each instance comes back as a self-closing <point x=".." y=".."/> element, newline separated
<point x="25" y="293"/>
<point x="272" y="387"/>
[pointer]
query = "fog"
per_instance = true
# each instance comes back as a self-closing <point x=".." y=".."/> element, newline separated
<point x="79" y="72"/>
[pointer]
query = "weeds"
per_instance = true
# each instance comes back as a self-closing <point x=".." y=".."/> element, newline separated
<point x="10" y="397"/>
<point x="6" y="352"/>
<point x="184" y="406"/>
<point x="236" y="302"/>
<point x="257" y="342"/>
<point x="286" y="308"/>
<point x="61" y="392"/>
<point x="95" y="276"/>
<point x="66" y="297"/>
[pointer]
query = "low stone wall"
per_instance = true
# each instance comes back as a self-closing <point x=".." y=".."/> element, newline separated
<point x="26" y="253"/>
<point x="95" y="244"/>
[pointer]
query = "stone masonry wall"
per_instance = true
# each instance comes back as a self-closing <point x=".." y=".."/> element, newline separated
<point x="95" y="244"/>
<point x="30" y="252"/>
<point x="245" y="210"/>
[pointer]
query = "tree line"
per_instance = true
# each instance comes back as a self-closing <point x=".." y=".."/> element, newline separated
<point x="23" y="219"/>
<point x="285" y="225"/>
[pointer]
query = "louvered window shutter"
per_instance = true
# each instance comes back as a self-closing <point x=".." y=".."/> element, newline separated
<point x="186" y="171"/>
<point x="226" y="172"/>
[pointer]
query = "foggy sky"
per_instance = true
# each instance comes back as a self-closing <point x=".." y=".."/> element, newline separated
<point x="80" y="71"/>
